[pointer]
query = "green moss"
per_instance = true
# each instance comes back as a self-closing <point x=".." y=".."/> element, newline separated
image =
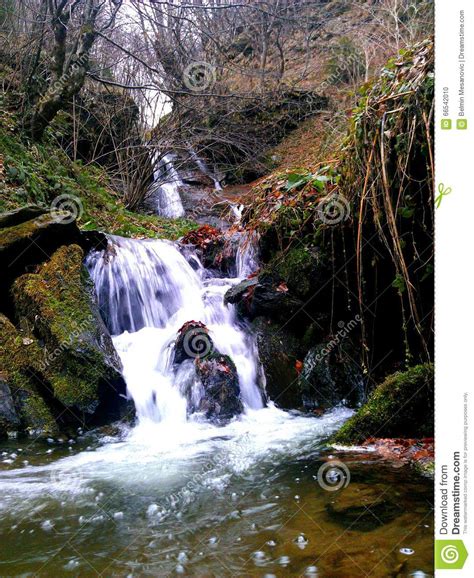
<point x="402" y="406"/>
<point x="40" y="173"/>
<point x="20" y="359"/>
<point x="295" y="267"/>
<point x="57" y="301"/>
<point x="37" y="415"/>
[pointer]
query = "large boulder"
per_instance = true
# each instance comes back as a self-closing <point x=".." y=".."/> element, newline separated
<point x="29" y="236"/>
<point x="220" y="382"/>
<point x="330" y="376"/>
<point x="211" y="381"/>
<point x="77" y="359"/>
<point x="400" y="407"/>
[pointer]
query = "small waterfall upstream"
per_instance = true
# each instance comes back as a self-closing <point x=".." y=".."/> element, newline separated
<point x="147" y="290"/>
<point x="165" y="186"/>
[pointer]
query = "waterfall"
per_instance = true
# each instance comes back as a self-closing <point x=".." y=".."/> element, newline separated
<point x="202" y="166"/>
<point x="146" y="291"/>
<point x="246" y="259"/>
<point x="166" y="184"/>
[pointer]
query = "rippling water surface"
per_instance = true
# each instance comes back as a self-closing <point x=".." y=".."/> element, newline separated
<point x="239" y="500"/>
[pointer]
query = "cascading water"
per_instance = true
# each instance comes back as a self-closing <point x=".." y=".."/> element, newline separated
<point x="175" y="496"/>
<point x="165" y="186"/>
<point x="147" y="290"/>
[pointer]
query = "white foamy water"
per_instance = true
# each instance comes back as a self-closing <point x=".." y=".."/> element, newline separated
<point x="147" y="290"/>
<point x="163" y="457"/>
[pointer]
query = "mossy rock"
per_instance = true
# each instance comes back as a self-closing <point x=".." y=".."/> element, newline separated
<point x="78" y="357"/>
<point x="402" y="406"/>
<point x="300" y="268"/>
<point x="20" y="360"/>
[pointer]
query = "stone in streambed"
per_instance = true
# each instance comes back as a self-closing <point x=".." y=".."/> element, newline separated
<point x="218" y="376"/>
<point x="193" y="341"/>
<point x="264" y="295"/>
<point x="330" y="376"/>
<point x="402" y="406"/>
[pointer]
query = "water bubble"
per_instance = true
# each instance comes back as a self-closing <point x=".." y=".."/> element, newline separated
<point x="302" y="541"/>
<point x="180" y="569"/>
<point x="47" y="525"/>
<point x="152" y="509"/>
<point x="72" y="564"/>
<point x="118" y="516"/>
<point x="271" y="543"/>
<point x="284" y="560"/>
<point x="311" y="572"/>
<point x="182" y="557"/>
<point x="407" y="551"/>
<point x="297" y="497"/>
<point x="213" y="540"/>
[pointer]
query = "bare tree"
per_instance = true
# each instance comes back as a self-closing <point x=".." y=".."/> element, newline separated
<point x="74" y="26"/>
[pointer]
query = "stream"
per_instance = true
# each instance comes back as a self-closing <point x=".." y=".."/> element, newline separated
<point x="176" y="494"/>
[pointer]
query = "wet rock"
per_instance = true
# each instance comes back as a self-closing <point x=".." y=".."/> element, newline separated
<point x="279" y="352"/>
<point x="267" y="296"/>
<point x="362" y="508"/>
<point x="330" y="376"/>
<point x="20" y="360"/>
<point x="77" y="359"/>
<point x="193" y="341"/>
<point x="8" y="417"/>
<point x="215" y="250"/>
<point x="218" y="376"/>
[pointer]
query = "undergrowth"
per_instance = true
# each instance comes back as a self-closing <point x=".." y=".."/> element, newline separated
<point x="39" y="173"/>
